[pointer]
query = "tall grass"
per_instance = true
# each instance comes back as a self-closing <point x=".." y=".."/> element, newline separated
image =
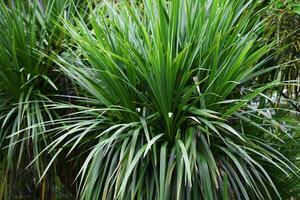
<point x="27" y="79"/>
<point x="169" y="109"/>
<point x="166" y="100"/>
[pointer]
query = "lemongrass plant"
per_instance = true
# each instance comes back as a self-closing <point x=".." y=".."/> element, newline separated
<point x="167" y="104"/>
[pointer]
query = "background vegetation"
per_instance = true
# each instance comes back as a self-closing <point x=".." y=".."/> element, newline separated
<point x="163" y="99"/>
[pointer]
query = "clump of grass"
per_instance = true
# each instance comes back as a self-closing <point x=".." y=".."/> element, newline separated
<point x="168" y="109"/>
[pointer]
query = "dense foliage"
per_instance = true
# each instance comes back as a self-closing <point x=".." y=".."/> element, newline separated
<point x="150" y="99"/>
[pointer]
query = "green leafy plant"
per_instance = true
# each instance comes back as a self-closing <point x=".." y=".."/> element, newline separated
<point x="27" y="80"/>
<point x="282" y="26"/>
<point x="166" y="106"/>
